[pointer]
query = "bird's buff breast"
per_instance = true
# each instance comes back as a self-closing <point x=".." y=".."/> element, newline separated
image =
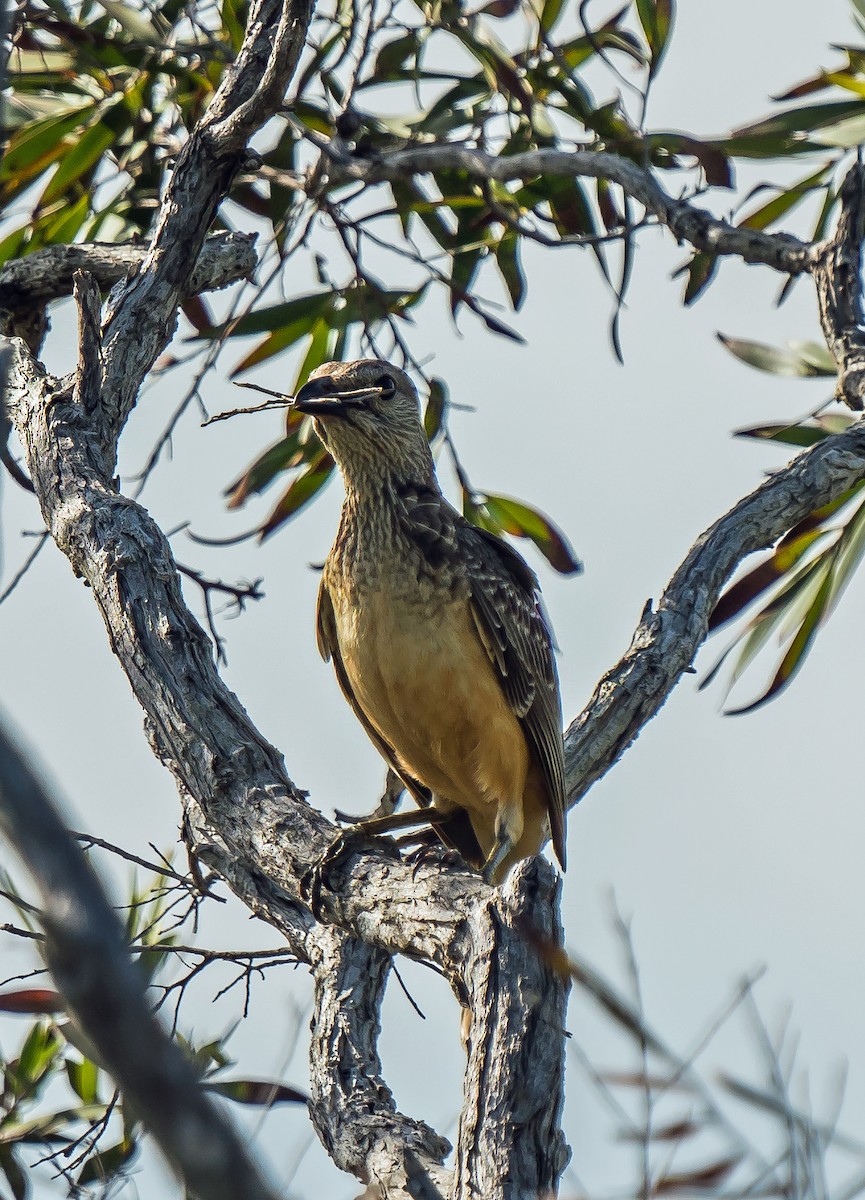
<point x="425" y="682"/>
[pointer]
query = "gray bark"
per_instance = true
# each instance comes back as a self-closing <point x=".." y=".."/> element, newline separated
<point x="243" y="815"/>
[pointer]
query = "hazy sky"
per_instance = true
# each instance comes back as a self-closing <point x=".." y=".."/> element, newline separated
<point x="730" y="843"/>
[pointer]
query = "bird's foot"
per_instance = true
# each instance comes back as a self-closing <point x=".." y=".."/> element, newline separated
<point x="501" y="849"/>
<point x="353" y="840"/>
<point x="431" y="849"/>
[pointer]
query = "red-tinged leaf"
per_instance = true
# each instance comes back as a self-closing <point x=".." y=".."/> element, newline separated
<point x="820" y="515"/>
<point x="521" y="521"/>
<point x="701" y="270"/>
<point x="611" y="214"/>
<point x="817" y="83"/>
<point x="793" y="660"/>
<point x="35" y="1001"/>
<point x="298" y="495"/>
<point x="198" y="314"/>
<point x="644" y="1082"/>
<point x="436" y="407"/>
<point x="260" y="1092"/>
<point x="105" y="1164"/>
<point x="790" y="601"/>
<point x="775" y="361"/>
<point x="287" y="453"/>
<point x="713" y="160"/>
<point x="745" y="590"/>
<point x="676" y="1131"/>
<point x="700" y="1179"/>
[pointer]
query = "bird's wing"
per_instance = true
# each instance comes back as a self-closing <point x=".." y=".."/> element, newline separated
<point x="507" y="612"/>
<point x="506" y="608"/>
<point x="456" y="832"/>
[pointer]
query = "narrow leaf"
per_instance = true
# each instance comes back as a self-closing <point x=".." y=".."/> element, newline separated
<point x="258" y="1092"/>
<point x="774" y="361"/>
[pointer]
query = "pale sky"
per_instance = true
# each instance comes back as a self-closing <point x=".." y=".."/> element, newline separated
<point x="730" y="843"/>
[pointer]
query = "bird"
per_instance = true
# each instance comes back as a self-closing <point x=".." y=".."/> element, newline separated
<point x="436" y="631"/>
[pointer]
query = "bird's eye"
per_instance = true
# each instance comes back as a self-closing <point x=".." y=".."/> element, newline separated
<point x="386" y="386"/>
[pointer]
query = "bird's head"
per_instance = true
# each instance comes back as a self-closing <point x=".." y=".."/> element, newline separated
<point x="367" y="414"/>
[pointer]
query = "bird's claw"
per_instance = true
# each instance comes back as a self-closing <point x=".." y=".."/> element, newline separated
<point x="315" y="881"/>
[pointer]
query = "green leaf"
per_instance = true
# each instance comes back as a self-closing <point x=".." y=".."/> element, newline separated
<point x="701" y="270"/>
<point x="38" y="1053"/>
<point x="36" y="146"/>
<point x="793" y="660"/>
<point x="550" y="14"/>
<point x="79" y="158"/>
<point x="395" y="54"/>
<point x="799" y="433"/>
<point x="463" y="271"/>
<point x="299" y="494"/>
<point x="518" y="519"/>
<point x="848" y="555"/>
<point x="785" y="201"/>
<point x="845" y="134"/>
<point x="570" y="206"/>
<point x="258" y="1092"/>
<point x="508" y="261"/>
<point x="277" y="316"/>
<point x="657" y="18"/>
<point x="787" y="363"/>
<point x="63" y="228"/>
<point x="83" y="1076"/>
<point x="436" y="407"/>
<point x="787" y="132"/>
<point x="16" y="1176"/>
<point x="287" y="453"/>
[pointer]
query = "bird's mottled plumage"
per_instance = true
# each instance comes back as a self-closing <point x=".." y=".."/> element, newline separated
<point x="435" y="630"/>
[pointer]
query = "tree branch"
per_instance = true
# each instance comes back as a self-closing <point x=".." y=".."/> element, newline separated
<point x="47" y="274"/>
<point x="103" y="993"/>
<point x="352" y="1107"/>
<point x="667" y="639"/>
<point x="686" y="221"/>
<point x="838" y="279"/>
